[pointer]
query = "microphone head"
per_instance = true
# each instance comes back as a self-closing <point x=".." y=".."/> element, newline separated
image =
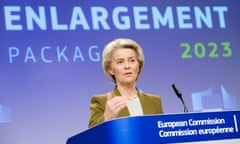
<point x="179" y="95"/>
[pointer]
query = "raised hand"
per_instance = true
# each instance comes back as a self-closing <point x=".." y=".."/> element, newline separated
<point x="113" y="106"/>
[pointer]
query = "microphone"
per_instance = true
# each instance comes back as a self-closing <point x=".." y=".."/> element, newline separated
<point x="179" y="95"/>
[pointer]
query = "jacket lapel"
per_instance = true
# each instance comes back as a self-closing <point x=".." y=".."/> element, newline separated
<point x="124" y="112"/>
<point x="144" y="103"/>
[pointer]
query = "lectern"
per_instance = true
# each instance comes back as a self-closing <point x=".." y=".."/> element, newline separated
<point x="207" y="127"/>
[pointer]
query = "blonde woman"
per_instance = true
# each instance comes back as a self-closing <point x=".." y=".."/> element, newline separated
<point x="122" y="62"/>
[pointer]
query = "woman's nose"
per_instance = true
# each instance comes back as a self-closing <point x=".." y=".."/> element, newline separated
<point x="126" y="65"/>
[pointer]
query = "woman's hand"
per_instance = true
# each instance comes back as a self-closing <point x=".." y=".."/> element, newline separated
<point x="113" y="106"/>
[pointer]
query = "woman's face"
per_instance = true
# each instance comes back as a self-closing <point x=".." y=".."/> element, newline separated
<point x="124" y="66"/>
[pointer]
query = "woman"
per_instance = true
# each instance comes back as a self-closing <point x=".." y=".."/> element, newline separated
<point x="122" y="62"/>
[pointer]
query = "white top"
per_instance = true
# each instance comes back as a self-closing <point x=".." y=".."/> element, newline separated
<point x="134" y="107"/>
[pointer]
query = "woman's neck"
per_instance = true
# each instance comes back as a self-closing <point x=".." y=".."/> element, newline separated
<point x="128" y="91"/>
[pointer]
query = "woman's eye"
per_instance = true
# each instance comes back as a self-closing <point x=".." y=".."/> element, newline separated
<point x="119" y="62"/>
<point x="132" y="60"/>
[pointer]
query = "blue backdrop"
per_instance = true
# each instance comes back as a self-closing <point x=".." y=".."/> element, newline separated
<point x="50" y="59"/>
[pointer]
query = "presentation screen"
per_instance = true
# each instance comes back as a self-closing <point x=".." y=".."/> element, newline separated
<point x="51" y="52"/>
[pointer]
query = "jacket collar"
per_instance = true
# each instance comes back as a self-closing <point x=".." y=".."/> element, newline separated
<point x="124" y="111"/>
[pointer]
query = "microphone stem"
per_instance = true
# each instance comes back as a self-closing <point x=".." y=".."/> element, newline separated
<point x="179" y="95"/>
<point x="184" y="105"/>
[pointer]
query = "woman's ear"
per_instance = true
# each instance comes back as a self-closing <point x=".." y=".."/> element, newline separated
<point x="110" y="71"/>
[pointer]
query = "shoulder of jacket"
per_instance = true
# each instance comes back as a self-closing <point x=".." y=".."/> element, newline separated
<point x="99" y="97"/>
<point x="150" y="95"/>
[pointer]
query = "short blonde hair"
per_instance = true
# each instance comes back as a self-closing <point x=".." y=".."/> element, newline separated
<point x="116" y="44"/>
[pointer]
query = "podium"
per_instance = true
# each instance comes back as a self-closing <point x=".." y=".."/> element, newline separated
<point x="207" y="127"/>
